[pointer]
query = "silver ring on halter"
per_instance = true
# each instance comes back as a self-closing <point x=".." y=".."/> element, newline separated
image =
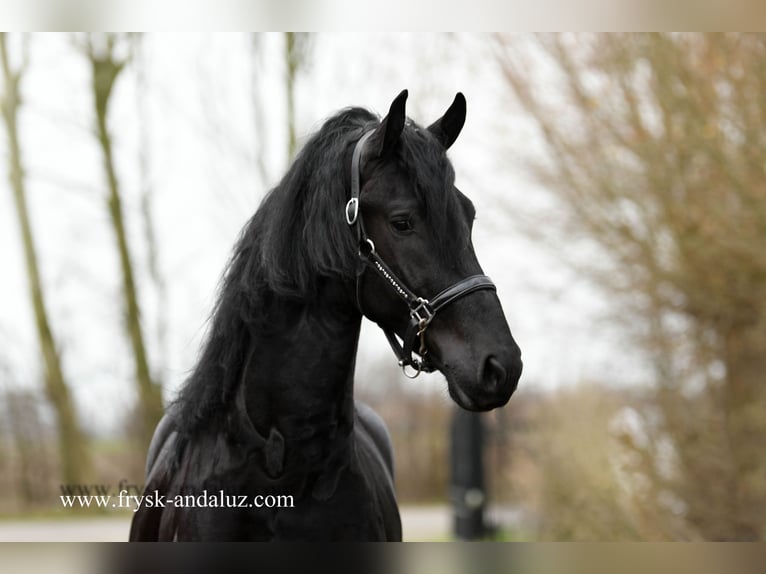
<point x="417" y="366"/>
<point x="351" y="216"/>
<point x="371" y="245"/>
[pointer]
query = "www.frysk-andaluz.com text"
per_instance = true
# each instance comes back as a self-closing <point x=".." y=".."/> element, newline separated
<point x="205" y="499"/>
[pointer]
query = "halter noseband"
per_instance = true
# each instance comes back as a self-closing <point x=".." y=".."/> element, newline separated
<point x="422" y="310"/>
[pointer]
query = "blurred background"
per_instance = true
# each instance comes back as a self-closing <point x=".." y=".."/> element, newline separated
<point x="620" y="187"/>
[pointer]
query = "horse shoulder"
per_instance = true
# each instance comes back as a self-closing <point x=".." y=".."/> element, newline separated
<point x="375" y="427"/>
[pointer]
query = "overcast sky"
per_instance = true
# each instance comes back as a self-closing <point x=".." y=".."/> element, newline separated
<point x="197" y="116"/>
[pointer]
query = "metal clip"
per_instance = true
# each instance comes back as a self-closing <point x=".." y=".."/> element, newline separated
<point x="422" y="326"/>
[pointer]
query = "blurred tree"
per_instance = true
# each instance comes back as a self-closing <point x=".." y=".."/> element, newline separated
<point x="655" y="151"/>
<point x="74" y="456"/>
<point x="260" y="133"/>
<point x="297" y="49"/>
<point x="29" y="439"/>
<point x="148" y="197"/>
<point x="574" y="490"/>
<point x="106" y="65"/>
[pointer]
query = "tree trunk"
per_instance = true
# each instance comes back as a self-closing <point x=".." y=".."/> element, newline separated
<point x="745" y="425"/>
<point x="148" y="211"/>
<point x="292" y="57"/>
<point x="297" y="50"/>
<point x="74" y="456"/>
<point x="105" y="71"/>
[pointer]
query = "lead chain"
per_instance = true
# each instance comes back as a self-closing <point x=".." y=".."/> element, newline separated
<point x="422" y="326"/>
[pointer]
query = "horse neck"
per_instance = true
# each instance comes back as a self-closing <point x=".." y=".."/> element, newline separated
<point x="299" y="374"/>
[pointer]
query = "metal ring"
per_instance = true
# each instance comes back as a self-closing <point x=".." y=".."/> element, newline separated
<point x="353" y="202"/>
<point x="417" y="366"/>
<point x="371" y="245"/>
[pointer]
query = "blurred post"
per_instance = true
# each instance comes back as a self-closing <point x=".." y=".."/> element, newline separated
<point x="467" y="488"/>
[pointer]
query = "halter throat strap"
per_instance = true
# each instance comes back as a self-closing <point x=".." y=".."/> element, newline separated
<point x="421" y="310"/>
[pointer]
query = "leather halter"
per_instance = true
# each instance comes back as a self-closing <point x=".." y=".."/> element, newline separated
<point x="422" y="311"/>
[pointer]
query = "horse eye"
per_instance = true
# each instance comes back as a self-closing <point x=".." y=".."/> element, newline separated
<point x="402" y="225"/>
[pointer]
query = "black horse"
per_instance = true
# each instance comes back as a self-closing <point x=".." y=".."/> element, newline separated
<point x="367" y="221"/>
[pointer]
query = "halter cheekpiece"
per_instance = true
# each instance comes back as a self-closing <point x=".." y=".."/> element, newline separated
<point x="422" y="311"/>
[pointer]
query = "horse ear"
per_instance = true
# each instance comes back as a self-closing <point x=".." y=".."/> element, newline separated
<point x="391" y="127"/>
<point x="447" y="128"/>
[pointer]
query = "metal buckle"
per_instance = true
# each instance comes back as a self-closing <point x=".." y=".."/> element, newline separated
<point x="422" y="313"/>
<point x="353" y="203"/>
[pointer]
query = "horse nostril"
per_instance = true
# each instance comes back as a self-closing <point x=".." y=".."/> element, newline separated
<point x="493" y="374"/>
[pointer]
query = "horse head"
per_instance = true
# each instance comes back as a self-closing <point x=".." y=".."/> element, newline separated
<point x="422" y="282"/>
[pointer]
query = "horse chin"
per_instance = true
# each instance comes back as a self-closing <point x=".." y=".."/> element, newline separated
<point x="456" y="385"/>
<point x="467" y="402"/>
<point x="461" y="399"/>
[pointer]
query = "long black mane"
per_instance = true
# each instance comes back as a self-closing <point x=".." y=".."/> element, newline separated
<point x="295" y="239"/>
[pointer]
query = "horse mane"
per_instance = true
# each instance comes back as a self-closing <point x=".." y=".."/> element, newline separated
<point x="296" y="238"/>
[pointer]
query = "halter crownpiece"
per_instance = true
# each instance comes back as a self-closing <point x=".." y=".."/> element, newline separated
<point x="422" y="311"/>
